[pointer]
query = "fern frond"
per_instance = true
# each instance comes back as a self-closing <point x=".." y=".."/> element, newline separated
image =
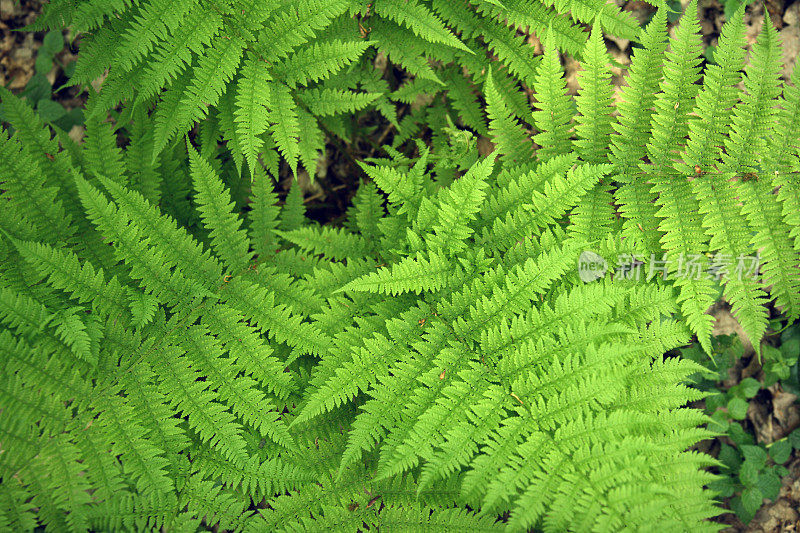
<point x="217" y="506"/>
<point x="553" y="118"/>
<point x="16" y="509"/>
<point x="141" y="459"/>
<point x="535" y="16"/>
<point x="592" y="218"/>
<point x="778" y="260"/>
<point x="128" y="511"/>
<point x="143" y="174"/>
<point x="66" y="486"/>
<point x="312" y="141"/>
<point x="511" y="50"/>
<point x="263" y="216"/>
<point x="179" y="349"/>
<point x="403" y="48"/>
<point x="557" y="195"/>
<point x="317" y="62"/>
<point x="754" y="119"/>
<point x="24" y="185"/>
<point x="209" y="418"/>
<point x="215" y="206"/>
<point x="424" y="272"/>
<point x="274" y="318"/>
<point x="401" y="188"/>
<point x="420" y="20"/>
<point x="252" y="354"/>
<point x="131" y="246"/>
<point x="329" y="101"/>
<point x="294" y="24"/>
<point x="610" y="18"/>
<point x="100" y="152"/>
<point x="198" y="90"/>
<point x="458" y="206"/>
<point x="293" y="210"/>
<point x="257" y="478"/>
<point x="681" y="225"/>
<point x="284" y="125"/>
<point x="716" y="194"/>
<point x="191" y="36"/>
<point x="149" y="22"/>
<point x="594" y="101"/>
<point x="511" y="139"/>
<point x="329" y="242"/>
<point x="251" y="114"/>
<point x="408" y="519"/>
<point x="628" y="148"/>
<point x="787" y="133"/>
<point x="340" y="378"/>
<point x="239" y="392"/>
<point x="366" y="212"/>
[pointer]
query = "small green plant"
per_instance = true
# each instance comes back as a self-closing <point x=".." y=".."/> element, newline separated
<point x="752" y="472"/>
<point x="39" y="92"/>
<point x="749" y="477"/>
<point x="749" y="472"/>
<point x="780" y="363"/>
<point x="730" y="7"/>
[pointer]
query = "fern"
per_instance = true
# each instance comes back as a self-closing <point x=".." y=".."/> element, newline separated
<point x="192" y="56"/>
<point x="683" y="201"/>
<point x="183" y="348"/>
<point x="228" y="241"/>
<point x="628" y="146"/>
<point x="251" y="113"/>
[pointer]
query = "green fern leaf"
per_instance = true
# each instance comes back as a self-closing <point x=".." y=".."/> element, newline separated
<point x="250" y="114"/>
<point x="420" y="20"/>
<point x="284" y="124"/>
<point x="215" y="206"/>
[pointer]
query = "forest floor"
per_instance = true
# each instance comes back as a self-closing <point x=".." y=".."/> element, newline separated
<point x="772" y="414"/>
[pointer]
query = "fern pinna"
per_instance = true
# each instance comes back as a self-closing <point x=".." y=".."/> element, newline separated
<point x="276" y="76"/>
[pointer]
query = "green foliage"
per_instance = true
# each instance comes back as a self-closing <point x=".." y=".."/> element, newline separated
<point x="39" y="91"/>
<point x="258" y="67"/>
<point x="419" y="368"/>
<point x="703" y="197"/>
<point x="731" y="6"/>
<point x="183" y="348"/>
<point x="749" y="472"/>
